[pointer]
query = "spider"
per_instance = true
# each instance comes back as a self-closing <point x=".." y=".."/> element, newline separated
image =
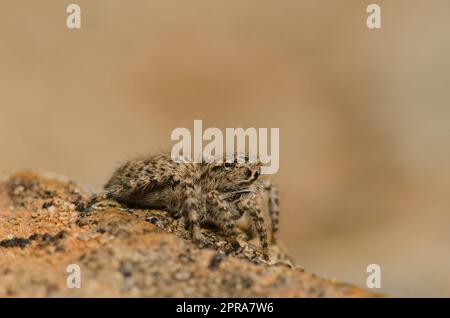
<point x="218" y="193"/>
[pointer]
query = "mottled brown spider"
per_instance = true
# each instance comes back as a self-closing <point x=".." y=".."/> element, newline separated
<point x="217" y="193"/>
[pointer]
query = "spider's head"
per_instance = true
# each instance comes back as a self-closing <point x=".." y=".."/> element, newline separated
<point x="230" y="176"/>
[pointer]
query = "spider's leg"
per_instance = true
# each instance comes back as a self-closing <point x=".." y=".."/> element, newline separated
<point x="220" y="213"/>
<point x="274" y="207"/>
<point x="252" y="206"/>
<point x="98" y="197"/>
<point x="192" y="210"/>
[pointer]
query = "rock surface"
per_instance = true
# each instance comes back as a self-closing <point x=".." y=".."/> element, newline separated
<point x="124" y="252"/>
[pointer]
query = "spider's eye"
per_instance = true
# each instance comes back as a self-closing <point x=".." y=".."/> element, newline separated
<point x="227" y="164"/>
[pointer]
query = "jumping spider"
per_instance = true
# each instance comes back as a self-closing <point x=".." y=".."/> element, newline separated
<point x="204" y="193"/>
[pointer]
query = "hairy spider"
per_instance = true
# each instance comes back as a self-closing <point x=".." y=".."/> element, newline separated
<point x="204" y="193"/>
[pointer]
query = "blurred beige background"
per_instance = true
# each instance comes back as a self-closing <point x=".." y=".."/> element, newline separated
<point x="364" y="115"/>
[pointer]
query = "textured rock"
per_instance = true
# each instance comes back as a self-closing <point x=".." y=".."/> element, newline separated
<point x="124" y="252"/>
